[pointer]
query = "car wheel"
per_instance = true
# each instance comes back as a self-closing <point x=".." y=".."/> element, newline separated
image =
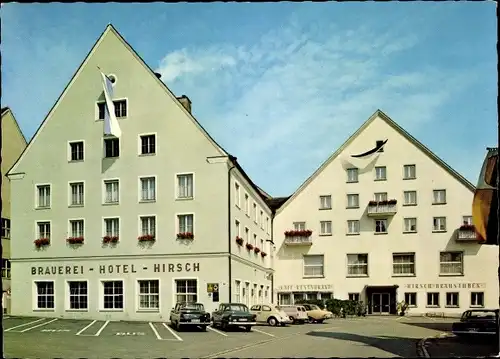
<point x="272" y="321"/>
<point x="223" y="326"/>
<point x="204" y="328"/>
<point x="292" y="319"/>
<point x="311" y="320"/>
<point x="319" y="321"/>
<point x="248" y="328"/>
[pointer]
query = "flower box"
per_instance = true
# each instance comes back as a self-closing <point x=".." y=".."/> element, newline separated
<point x="110" y="239"/>
<point x="383" y="203"/>
<point x="146" y="238"/>
<point x="256" y="250"/>
<point x="263" y="254"/>
<point x="185" y="235"/>
<point x="249" y="246"/>
<point x="467" y="227"/>
<point x="75" y="240"/>
<point x="40" y="242"/>
<point x="239" y="240"/>
<point x="302" y="233"/>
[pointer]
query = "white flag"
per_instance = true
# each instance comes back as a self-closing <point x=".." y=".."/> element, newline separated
<point x="363" y="164"/>
<point x="111" y="126"/>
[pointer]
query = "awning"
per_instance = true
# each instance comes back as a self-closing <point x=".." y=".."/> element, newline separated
<point x="388" y="286"/>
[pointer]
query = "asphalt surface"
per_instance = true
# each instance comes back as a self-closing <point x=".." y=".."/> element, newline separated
<point x="350" y="337"/>
<point x="455" y="347"/>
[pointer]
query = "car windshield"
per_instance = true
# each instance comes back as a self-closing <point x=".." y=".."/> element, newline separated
<point x="193" y="306"/>
<point x="481" y="315"/>
<point x="237" y="307"/>
<point x="314" y="307"/>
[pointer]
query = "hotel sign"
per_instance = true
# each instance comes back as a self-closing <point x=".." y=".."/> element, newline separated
<point x="464" y="285"/>
<point x="305" y="287"/>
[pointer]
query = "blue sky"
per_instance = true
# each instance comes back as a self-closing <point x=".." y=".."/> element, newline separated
<point x="295" y="78"/>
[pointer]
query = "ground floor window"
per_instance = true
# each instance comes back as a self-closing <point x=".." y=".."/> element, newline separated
<point x="293" y="298"/>
<point x="237" y="290"/>
<point x="325" y="296"/>
<point x="113" y="294"/>
<point x="354" y="296"/>
<point x="411" y="299"/>
<point x="245" y="294"/>
<point x="149" y="294"/>
<point x="477" y="299"/>
<point x="284" y="299"/>
<point x="452" y="300"/>
<point x="78" y="295"/>
<point x="266" y="294"/>
<point x="433" y="299"/>
<point x="44" y="295"/>
<point x="261" y="294"/>
<point x="186" y="290"/>
<point x="254" y="294"/>
<point x="5" y="268"/>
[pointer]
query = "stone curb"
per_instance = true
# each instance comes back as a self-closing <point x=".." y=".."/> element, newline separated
<point x="422" y="344"/>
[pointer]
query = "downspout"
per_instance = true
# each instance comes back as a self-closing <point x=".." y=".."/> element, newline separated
<point x="229" y="223"/>
<point x="272" y="244"/>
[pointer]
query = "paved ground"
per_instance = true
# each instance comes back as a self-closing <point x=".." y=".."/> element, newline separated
<point x="351" y="337"/>
<point x="454" y="347"/>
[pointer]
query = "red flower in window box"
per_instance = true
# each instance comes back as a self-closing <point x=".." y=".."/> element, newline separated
<point x="301" y="233"/>
<point x="256" y="250"/>
<point x="146" y="238"/>
<point x="185" y="235"/>
<point x="372" y="203"/>
<point x="110" y="239"/>
<point x="467" y="227"/>
<point x="263" y="254"/>
<point x="249" y="246"/>
<point x="75" y="240"/>
<point x="40" y="242"/>
<point x="239" y="240"/>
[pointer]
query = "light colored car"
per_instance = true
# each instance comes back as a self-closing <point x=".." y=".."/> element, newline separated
<point x="315" y="314"/>
<point x="296" y="313"/>
<point x="270" y="314"/>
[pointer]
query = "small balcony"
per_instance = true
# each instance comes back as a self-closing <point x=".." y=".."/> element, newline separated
<point x="382" y="208"/>
<point x="298" y="238"/>
<point x="466" y="233"/>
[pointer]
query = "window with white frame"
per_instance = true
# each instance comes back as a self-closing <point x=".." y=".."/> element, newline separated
<point x="451" y="263"/>
<point x="120" y="109"/>
<point x="261" y="294"/>
<point x="267" y="225"/>
<point x="148" y="189"/>
<point x="467" y="220"/>
<point x="354" y="297"/>
<point x="148" y="144"/>
<point x="77" y="196"/>
<point x="380" y="173"/>
<point x="185" y="185"/>
<point x="255" y="212"/>
<point x="409" y="198"/>
<point x="43" y="230"/>
<point x="111" y="147"/>
<point x="76" y="228"/>
<point x="237" y="194"/>
<point x="325" y="202"/>
<point x="411" y="299"/>
<point x="247" y="235"/>
<point x="381" y="226"/>
<point x="261" y="220"/>
<point x="186" y="290"/>
<point x="403" y="264"/>
<point x="452" y="299"/>
<point x="237" y="291"/>
<point x="149" y="294"/>
<point x="266" y="294"/>
<point x="43" y="196"/>
<point x="380" y="196"/>
<point x="433" y="299"/>
<point x="477" y="299"/>
<point x="111" y="191"/>
<point x="357" y="265"/>
<point x="284" y="299"/>
<point x="261" y="244"/>
<point x="254" y="294"/>
<point x="353" y="200"/>
<point x="247" y="205"/>
<point x="186" y="223"/>
<point x="112" y="294"/>
<point x="410" y="225"/>
<point x="76" y="151"/>
<point x="299" y="226"/>
<point x="245" y="294"/>
<point x="325" y="227"/>
<point x="409" y="172"/>
<point x="254" y="240"/>
<point x="352" y="175"/>
<point x="6" y="228"/>
<point x="112" y="227"/>
<point x="148" y="226"/>
<point x="5" y="268"/>
<point x="353" y="227"/>
<point x="45" y="295"/>
<point x="78" y="295"/>
<point x="439" y="224"/>
<point x="237" y="225"/>
<point x="314" y="265"/>
<point x="439" y="196"/>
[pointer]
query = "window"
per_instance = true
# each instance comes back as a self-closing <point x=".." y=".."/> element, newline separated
<point x="111" y="147"/>
<point x="477" y="299"/>
<point x="237" y="225"/>
<point x="381" y="226"/>
<point x="325" y="202"/>
<point x="353" y="201"/>
<point x="451" y="263"/>
<point x="261" y="298"/>
<point x="439" y="196"/>
<point x="185" y="185"/>
<point x="186" y="223"/>
<point x="452" y="300"/>
<point x="353" y="227"/>
<point x="245" y="293"/>
<point x="5" y="228"/>
<point x="111" y="191"/>
<point x="237" y="291"/>
<point x="43" y="230"/>
<point x="403" y="264"/>
<point x="148" y="145"/>
<point x="112" y="227"/>
<point x="148" y="189"/>
<point x="149" y="294"/>
<point x="76" y="228"/>
<point x="352" y="175"/>
<point x="354" y="297"/>
<point x="78" y="295"/>
<point x="5" y="268"/>
<point x="467" y="220"/>
<point x="261" y="220"/>
<point x="76" y="151"/>
<point x="411" y="299"/>
<point x="120" y="108"/>
<point x="77" y="196"/>
<point x="113" y="294"/>
<point x="254" y="293"/>
<point x="410" y="198"/>
<point x="43" y="196"/>
<point x="409" y="172"/>
<point x="148" y="226"/>
<point x="255" y="212"/>
<point x="261" y="244"/>
<point x="186" y="290"/>
<point x="439" y="224"/>
<point x="410" y="225"/>
<point x="266" y="294"/>
<point x="237" y="196"/>
<point x="247" y="235"/>
<point x="357" y="265"/>
<point x="325" y="227"/>
<point x="254" y="239"/>
<point x="433" y="299"/>
<point x="44" y="295"/>
<point x="267" y="225"/>
<point x="284" y="299"/>
<point x="299" y="226"/>
<point x="247" y="205"/>
<point x="380" y="173"/>
<point x="313" y="265"/>
<point x="380" y="196"/>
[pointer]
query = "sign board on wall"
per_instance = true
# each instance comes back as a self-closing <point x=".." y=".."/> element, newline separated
<point x="305" y="287"/>
<point x="460" y="285"/>
<point x="212" y="287"/>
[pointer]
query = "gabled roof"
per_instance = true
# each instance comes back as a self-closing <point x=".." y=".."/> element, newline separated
<point x="403" y="133"/>
<point x="5" y="111"/>
<point x="276" y="203"/>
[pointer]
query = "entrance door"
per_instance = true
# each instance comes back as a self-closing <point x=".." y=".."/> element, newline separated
<point x="381" y="303"/>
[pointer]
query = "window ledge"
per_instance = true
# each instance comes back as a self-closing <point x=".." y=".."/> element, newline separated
<point x="147" y="201"/>
<point x="409" y="204"/>
<point x="352" y="207"/>
<point x="409" y="178"/>
<point x="452" y="306"/>
<point x="111" y="158"/>
<point x="325" y="235"/>
<point x="404" y="275"/>
<point x="476" y="306"/>
<point x="44" y="310"/>
<point x="111" y="203"/>
<point x="451" y="275"/>
<point x="41" y="208"/>
<point x="380" y="233"/>
<point x="313" y="277"/>
<point x="76" y="206"/>
<point x="148" y="310"/>
<point x="432" y="306"/>
<point x="440" y="231"/>
<point x="352" y="234"/>
<point x="357" y="276"/>
<point x="409" y="232"/>
<point x="147" y="154"/>
<point x="380" y="179"/>
<point x="325" y="209"/>
<point x="188" y="199"/>
<point x="110" y="310"/>
<point x="438" y="203"/>
<point x="76" y="161"/>
<point x="77" y="310"/>
<point x="352" y="181"/>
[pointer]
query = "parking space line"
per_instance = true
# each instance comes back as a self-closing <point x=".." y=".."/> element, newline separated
<point x="102" y="328"/>
<point x="87" y="327"/>
<point x="262" y="332"/>
<point x="22" y="325"/>
<point x="324" y="329"/>
<point x="172" y="332"/>
<point x="6" y="317"/>
<point x="216" y="331"/>
<point x="38" y="325"/>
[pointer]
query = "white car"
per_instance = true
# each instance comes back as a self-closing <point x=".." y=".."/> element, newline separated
<point x="270" y="314"/>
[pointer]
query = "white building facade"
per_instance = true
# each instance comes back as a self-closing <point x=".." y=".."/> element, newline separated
<point x="390" y="226"/>
<point x="121" y="228"/>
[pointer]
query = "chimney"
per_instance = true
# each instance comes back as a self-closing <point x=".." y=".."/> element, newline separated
<point x="186" y="102"/>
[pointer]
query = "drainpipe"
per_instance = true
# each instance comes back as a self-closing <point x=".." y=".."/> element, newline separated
<point x="272" y="244"/>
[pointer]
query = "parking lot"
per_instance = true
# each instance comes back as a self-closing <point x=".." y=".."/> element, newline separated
<point x="351" y="337"/>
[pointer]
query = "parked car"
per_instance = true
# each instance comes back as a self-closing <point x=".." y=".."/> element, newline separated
<point x="315" y="314"/>
<point x="296" y="313"/>
<point x="233" y="315"/>
<point x="270" y="314"/>
<point x="188" y="314"/>
<point x="477" y="322"/>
